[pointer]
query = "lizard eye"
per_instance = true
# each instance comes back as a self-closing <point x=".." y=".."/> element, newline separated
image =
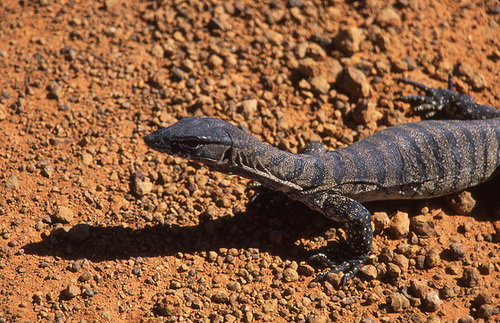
<point x="190" y="144"/>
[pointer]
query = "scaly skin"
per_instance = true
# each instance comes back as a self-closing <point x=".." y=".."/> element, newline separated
<point x="411" y="161"/>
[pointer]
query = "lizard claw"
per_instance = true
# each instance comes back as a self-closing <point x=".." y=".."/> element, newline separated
<point x="434" y="100"/>
<point x="349" y="267"/>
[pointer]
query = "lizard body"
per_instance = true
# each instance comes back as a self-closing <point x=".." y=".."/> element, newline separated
<point x="422" y="159"/>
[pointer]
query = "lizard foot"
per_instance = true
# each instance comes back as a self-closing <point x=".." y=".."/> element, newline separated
<point x="348" y="267"/>
<point x="434" y="100"/>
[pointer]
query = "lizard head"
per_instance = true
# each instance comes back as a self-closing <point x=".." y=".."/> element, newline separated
<point x="204" y="140"/>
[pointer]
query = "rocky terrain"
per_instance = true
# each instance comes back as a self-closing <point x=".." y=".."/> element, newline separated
<point x="95" y="227"/>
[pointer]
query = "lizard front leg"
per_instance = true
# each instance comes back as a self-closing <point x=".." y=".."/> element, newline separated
<point x="447" y="103"/>
<point x="350" y="255"/>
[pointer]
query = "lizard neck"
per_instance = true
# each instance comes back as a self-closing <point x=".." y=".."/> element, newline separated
<point x="273" y="168"/>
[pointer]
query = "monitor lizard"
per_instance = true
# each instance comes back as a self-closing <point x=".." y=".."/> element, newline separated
<point x="417" y="160"/>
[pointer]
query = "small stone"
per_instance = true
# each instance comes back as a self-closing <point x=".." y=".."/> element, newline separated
<point x="179" y="74"/>
<point x="466" y="319"/>
<point x="290" y="275"/>
<point x="111" y="4"/>
<point x="418" y="288"/>
<point x="274" y="37"/>
<point x="88" y="293"/>
<point x="381" y="221"/>
<point x="249" y="107"/>
<point x="270" y="306"/>
<point x="349" y="40"/>
<point x="486" y="311"/>
<point x="478" y="81"/>
<point x="470" y="277"/>
<point x="220" y="297"/>
<point x="319" y="85"/>
<point x="448" y="291"/>
<point x="432" y="301"/>
<point x="295" y="3"/>
<point x="168" y="306"/>
<point x="233" y="286"/>
<point x="305" y="270"/>
<point x="55" y="90"/>
<point x="215" y="24"/>
<point x="400" y="225"/>
<point x="486" y="268"/>
<point x="157" y="51"/>
<point x="63" y="215"/>
<point x="212" y="256"/>
<point x="388" y="17"/>
<point x="462" y="203"/>
<point x="483" y="298"/>
<point x="368" y="272"/>
<point x="140" y="187"/>
<point x="399" y="302"/>
<point x="12" y="183"/>
<point x="79" y="233"/>
<point x="365" y="112"/>
<point x="215" y="61"/>
<point x="87" y="159"/>
<point x="457" y="251"/>
<point x="433" y="259"/>
<point x="47" y="171"/>
<point x="86" y="276"/>
<point x="423" y="226"/>
<point x="354" y="82"/>
<point x="308" y="67"/>
<point x="72" y="291"/>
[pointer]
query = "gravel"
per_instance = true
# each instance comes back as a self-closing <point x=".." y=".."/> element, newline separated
<point x="96" y="227"/>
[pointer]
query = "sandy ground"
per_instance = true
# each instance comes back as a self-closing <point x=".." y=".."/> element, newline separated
<point x="95" y="226"/>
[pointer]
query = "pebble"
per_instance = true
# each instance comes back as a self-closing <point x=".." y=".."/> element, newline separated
<point x="72" y="291"/>
<point x="448" y="291"/>
<point x="486" y="311"/>
<point x="63" y="215"/>
<point x="433" y="259"/>
<point x="465" y="319"/>
<point x="470" y="277"/>
<point x="249" y="107"/>
<point x="457" y="251"/>
<point x="418" y="288"/>
<point x="55" y="90"/>
<point x="319" y="85"/>
<point x="398" y="302"/>
<point x="140" y="186"/>
<point x="12" y="183"/>
<point x="381" y="221"/>
<point x="368" y="272"/>
<point x="348" y="40"/>
<point x="220" y="297"/>
<point x="215" y="61"/>
<point x="290" y="275"/>
<point x="463" y="203"/>
<point x="432" y="302"/>
<point x="170" y="305"/>
<point x="388" y="17"/>
<point x="47" y="171"/>
<point x="400" y="224"/>
<point x="354" y="82"/>
<point x="422" y="226"/>
<point x="157" y="51"/>
<point x="86" y="276"/>
<point x="87" y="159"/>
<point x="305" y="270"/>
<point x="79" y="233"/>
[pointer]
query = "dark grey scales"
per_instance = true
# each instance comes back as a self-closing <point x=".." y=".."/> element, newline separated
<point x="416" y="160"/>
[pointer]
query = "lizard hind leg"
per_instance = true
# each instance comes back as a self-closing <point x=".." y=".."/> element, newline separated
<point x="349" y="255"/>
